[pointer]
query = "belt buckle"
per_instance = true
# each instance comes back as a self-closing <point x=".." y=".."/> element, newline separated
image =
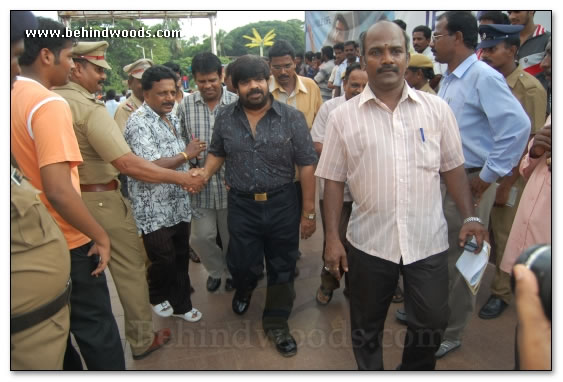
<point x="16" y="176"/>
<point x="261" y="197"/>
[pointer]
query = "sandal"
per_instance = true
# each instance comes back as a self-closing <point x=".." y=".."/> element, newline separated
<point x="193" y="315"/>
<point x="323" y="295"/>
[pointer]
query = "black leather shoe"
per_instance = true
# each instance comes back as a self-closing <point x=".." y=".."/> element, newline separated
<point x="241" y="302"/>
<point x="213" y="284"/>
<point x="401" y="316"/>
<point x="229" y="285"/>
<point x="285" y="343"/>
<point x="493" y="308"/>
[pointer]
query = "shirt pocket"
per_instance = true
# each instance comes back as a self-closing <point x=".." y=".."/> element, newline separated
<point x="29" y="219"/>
<point x="426" y="153"/>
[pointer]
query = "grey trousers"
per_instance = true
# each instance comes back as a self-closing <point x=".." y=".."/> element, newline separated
<point x="461" y="300"/>
<point x="203" y="240"/>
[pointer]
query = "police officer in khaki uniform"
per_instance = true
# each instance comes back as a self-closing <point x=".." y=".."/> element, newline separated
<point x="39" y="259"/>
<point x="124" y="110"/>
<point x="135" y="72"/>
<point x="105" y="154"/>
<point x="500" y="44"/>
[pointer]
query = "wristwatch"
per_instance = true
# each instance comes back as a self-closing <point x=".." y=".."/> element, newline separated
<point x="309" y="215"/>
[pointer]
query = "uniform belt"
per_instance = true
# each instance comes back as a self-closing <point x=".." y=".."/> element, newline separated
<point x="99" y="187"/>
<point x="473" y="170"/>
<point x="24" y="321"/>
<point x="262" y="196"/>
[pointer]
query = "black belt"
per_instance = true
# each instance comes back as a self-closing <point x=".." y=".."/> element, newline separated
<point x="473" y="170"/>
<point x="24" y="321"/>
<point x="260" y="196"/>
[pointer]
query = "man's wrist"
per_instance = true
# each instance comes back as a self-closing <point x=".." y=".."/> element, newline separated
<point x="473" y="219"/>
<point x="308" y="215"/>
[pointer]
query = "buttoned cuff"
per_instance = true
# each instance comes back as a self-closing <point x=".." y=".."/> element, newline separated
<point x="488" y="175"/>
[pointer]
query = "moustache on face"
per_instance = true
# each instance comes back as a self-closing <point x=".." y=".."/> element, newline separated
<point x="255" y="91"/>
<point x="171" y="104"/>
<point x="388" y="68"/>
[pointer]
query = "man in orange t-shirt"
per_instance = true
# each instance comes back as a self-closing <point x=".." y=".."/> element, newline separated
<point x="45" y="147"/>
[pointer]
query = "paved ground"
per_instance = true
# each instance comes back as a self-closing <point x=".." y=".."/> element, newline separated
<point x="225" y="341"/>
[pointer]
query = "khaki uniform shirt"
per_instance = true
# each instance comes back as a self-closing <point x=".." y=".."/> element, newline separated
<point x="39" y="255"/>
<point x="531" y="95"/>
<point x="98" y="136"/>
<point x="125" y="109"/>
<point x="426" y="88"/>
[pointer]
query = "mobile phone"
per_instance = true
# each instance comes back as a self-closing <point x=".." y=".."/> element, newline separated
<point x="470" y="246"/>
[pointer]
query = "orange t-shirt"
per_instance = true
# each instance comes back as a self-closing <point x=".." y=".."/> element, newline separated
<point x="42" y="134"/>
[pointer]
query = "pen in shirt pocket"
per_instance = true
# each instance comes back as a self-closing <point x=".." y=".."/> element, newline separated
<point x="422" y="134"/>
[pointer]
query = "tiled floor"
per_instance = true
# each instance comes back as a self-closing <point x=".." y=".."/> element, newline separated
<point x="225" y="341"/>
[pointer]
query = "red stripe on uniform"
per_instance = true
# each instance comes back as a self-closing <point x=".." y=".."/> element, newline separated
<point x="534" y="69"/>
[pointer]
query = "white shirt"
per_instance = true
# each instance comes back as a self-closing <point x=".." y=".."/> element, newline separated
<point x="392" y="162"/>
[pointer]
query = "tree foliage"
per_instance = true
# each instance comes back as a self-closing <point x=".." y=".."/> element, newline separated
<point x="123" y="51"/>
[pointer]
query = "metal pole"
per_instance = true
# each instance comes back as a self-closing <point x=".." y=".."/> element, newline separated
<point x="213" y="46"/>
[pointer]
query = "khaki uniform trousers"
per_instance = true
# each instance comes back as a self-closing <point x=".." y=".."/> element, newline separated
<point x="461" y="300"/>
<point x="127" y="264"/>
<point x="501" y="224"/>
<point x="39" y="271"/>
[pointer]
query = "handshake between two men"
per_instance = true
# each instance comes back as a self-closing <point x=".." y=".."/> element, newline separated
<point x="194" y="180"/>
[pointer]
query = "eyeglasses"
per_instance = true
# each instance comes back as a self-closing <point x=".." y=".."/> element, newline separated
<point x="278" y="68"/>
<point x="438" y="36"/>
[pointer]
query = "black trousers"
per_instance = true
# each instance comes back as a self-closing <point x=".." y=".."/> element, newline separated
<point x="372" y="285"/>
<point x="267" y="229"/>
<point x="91" y="319"/>
<point x="168" y="250"/>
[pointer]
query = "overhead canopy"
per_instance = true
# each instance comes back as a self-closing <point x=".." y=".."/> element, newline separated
<point x="66" y="17"/>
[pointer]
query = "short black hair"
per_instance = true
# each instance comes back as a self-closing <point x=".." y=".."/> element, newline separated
<point x="339" y="46"/>
<point x="110" y="94"/>
<point x="512" y="40"/>
<point x="464" y="22"/>
<point x="205" y="63"/>
<point x="281" y="48"/>
<point x="33" y="45"/>
<point x="300" y="55"/>
<point x="328" y="52"/>
<point x="309" y="55"/>
<point x="156" y="74"/>
<point x="229" y="70"/>
<point x="351" y="68"/>
<point x="350" y="42"/>
<point x="401" y="23"/>
<point x="248" y="67"/>
<point x="364" y="34"/>
<point x="318" y="55"/>
<point x="174" y="66"/>
<point x="427" y="32"/>
<point x="497" y="17"/>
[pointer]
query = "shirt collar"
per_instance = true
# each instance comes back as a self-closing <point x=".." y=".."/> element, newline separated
<point x="299" y="85"/>
<point x="464" y="66"/>
<point x="408" y="92"/>
<point x="223" y="101"/>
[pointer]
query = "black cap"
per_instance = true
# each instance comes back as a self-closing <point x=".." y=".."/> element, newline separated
<point x="493" y="34"/>
<point x="20" y="21"/>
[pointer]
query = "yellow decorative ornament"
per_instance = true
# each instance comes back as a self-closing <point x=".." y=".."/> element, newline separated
<point x="258" y="42"/>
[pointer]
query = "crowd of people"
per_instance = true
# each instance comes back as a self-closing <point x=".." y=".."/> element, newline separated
<point x="416" y="150"/>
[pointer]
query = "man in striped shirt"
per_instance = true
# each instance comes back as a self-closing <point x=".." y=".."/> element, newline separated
<point x="197" y="114"/>
<point x="390" y="143"/>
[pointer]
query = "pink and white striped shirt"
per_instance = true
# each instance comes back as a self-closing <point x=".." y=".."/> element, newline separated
<point x="392" y="162"/>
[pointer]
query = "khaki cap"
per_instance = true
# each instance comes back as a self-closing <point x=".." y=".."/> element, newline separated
<point x="137" y="68"/>
<point x="94" y="52"/>
<point x="420" y="61"/>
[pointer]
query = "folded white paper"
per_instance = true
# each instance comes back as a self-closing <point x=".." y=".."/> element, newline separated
<point x="472" y="265"/>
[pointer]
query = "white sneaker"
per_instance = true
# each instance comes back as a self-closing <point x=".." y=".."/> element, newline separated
<point x="164" y="309"/>
<point x="447" y="346"/>
<point x="193" y="315"/>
